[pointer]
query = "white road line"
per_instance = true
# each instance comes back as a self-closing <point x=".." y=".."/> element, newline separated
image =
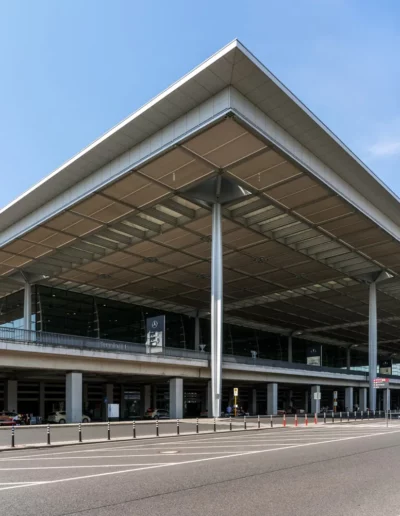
<point x="194" y="461"/>
<point x="79" y="467"/>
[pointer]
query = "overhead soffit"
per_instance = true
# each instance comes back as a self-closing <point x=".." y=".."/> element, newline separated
<point x="293" y="250"/>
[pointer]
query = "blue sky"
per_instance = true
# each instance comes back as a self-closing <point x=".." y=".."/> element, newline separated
<point x="70" y="70"/>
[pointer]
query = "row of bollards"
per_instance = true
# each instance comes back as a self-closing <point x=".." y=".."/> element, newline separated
<point x="368" y="414"/>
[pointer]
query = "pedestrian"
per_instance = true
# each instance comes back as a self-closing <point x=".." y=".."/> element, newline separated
<point x="229" y="410"/>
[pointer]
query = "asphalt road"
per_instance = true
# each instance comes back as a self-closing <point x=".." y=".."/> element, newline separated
<point x="328" y="469"/>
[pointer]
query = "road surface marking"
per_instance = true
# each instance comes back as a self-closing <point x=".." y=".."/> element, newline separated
<point x="194" y="461"/>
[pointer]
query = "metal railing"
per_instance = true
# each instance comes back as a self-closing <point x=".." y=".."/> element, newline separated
<point x="31" y="337"/>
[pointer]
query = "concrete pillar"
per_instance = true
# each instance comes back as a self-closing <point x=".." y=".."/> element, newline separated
<point x="253" y="402"/>
<point x="42" y="400"/>
<point x="197" y="332"/>
<point x="153" y="402"/>
<point x="146" y="398"/>
<point x="348" y="399"/>
<point x="27" y="306"/>
<point x="306" y="402"/>
<point x="85" y="388"/>
<point x="372" y="345"/>
<point x="73" y="395"/>
<point x="11" y="397"/>
<point x="315" y="404"/>
<point x="272" y="399"/>
<point x="348" y="358"/>
<point x="176" y="398"/>
<point x="363" y="399"/>
<point x="290" y="349"/>
<point x="110" y="393"/>
<point x="209" y="399"/>
<point x="386" y="400"/>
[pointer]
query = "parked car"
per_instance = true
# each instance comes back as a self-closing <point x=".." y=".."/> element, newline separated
<point x="156" y="414"/>
<point x="61" y="418"/>
<point x="9" y="418"/>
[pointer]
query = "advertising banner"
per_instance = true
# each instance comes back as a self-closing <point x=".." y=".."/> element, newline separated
<point x="314" y="355"/>
<point x="155" y="334"/>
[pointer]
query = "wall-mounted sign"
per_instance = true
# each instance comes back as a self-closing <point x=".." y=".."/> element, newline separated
<point x="314" y="355"/>
<point x="155" y="334"/>
<point x="113" y="411"/>
<point x="385" y="366"/>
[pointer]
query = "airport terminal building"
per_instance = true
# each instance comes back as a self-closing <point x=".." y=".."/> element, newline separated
<point x="220" y="237"/>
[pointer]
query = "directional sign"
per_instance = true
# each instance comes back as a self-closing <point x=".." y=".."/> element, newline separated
<point x="381" y="383"/>
<point x="235" y="391"/>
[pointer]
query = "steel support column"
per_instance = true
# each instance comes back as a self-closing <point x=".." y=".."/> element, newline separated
<point x="27" y="306"/>
<point x="216" y="310"/>
<point x="290" y="349"/>
<point x="372" y="345"/>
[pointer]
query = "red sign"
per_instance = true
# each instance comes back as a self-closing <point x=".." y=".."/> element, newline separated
<point x="381" y="383"/>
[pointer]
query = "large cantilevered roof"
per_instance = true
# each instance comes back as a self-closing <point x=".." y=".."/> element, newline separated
<point x="118" y="220"/>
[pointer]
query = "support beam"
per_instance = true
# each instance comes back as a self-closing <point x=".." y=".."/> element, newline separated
<point x="11" y="398"/>
<point x="348" y="399"/>
<point x="363" y="399"/>
<point x="315" y="403"/>
<point x="216" y="310"/>
<point x="372" y="345"/>
<point x="290" y="349"/>
<point x="27" y="306"/>
<point x="272" y="399"/>
<point x="176" y="398"/>
<point x="306" y="407"/>
<point x="73" y="395"/>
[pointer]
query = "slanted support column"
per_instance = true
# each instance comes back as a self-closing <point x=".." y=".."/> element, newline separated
<point x="306" y="402"/>
<point x="315" y="403"/>
<point x="372" y="345"/>
<point x="73" y="394"/>
<point x="176" y="398"/>
<point x="363" y="399"/>
<point x="216" y="310"/>
<point x="11" y="400"/>
<point x="27" y="306"/>
<point x="272" y="399"/>
<point x="348" y="358"/>
<point x="348" y="399"/>
<point x="290" y="349"/>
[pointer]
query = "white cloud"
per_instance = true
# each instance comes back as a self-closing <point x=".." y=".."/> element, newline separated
<point x="386" y="148"/>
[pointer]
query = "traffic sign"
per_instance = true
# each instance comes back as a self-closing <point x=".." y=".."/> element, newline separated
<point x="235" y="391"/>
<point x="317" y="395"/>
<point x="381" y="383"/>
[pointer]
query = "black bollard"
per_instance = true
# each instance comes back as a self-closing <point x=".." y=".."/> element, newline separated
<point x="48" y="434"/>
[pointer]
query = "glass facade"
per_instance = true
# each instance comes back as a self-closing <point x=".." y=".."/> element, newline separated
<point x="61" y="311"/>
<point x="12" y="310"/>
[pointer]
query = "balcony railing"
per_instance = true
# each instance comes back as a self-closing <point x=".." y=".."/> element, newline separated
<point x="88" y="343"/>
